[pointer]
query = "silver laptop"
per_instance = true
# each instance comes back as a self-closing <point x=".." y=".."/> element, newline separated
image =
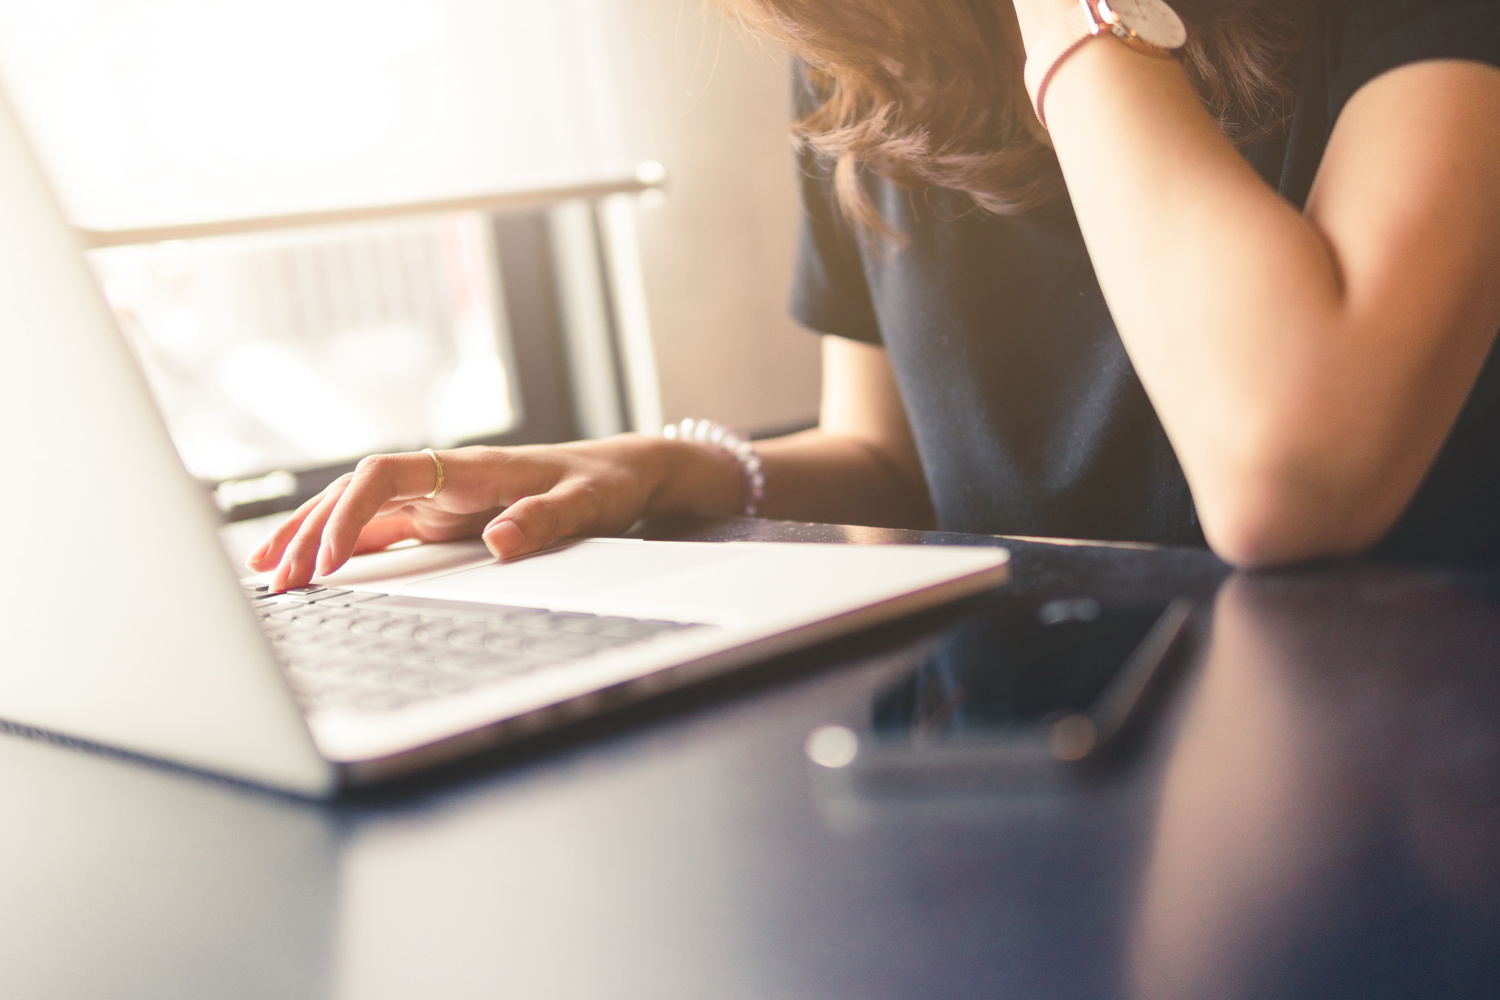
<point x="124" y="624"/>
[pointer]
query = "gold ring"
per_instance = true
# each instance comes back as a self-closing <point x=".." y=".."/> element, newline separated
<point x="441" y="475"/>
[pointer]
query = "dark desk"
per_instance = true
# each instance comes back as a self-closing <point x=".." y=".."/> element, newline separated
<point x="1315" y="811"/>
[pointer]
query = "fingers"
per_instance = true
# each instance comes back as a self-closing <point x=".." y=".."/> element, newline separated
<point x="268" y="556"/>
<point x="505" y="538"/>
<point x="296" y="566"/>
<point x="535" y="522"/>
<point x="383" y="532"/>
<point x="381" y="484"/>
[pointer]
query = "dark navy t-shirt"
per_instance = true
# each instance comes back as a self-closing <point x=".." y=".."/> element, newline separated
<point x="1027" y="414"/>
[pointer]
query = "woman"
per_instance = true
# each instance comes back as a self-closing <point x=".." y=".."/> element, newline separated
<point x="1246" y="295"/>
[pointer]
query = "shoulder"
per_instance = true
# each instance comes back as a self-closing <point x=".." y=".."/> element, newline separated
<point x="1373" y="37"/>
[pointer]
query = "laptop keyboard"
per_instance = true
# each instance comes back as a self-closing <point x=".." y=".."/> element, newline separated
<point x="373" y="652"/>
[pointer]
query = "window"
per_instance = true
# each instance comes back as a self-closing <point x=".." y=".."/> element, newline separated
<point x="281" y="353"/>
<point x="301" y="349"/>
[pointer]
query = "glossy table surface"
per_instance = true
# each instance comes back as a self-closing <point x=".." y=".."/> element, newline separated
<point x="1313" y="810"/>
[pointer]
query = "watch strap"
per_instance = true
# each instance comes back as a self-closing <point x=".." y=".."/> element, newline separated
<point x="1074" y="27"/>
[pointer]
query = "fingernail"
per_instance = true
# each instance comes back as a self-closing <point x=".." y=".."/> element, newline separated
<point x="504" y="539"/>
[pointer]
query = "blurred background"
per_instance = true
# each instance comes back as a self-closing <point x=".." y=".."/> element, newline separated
<point x="332" y="227"/>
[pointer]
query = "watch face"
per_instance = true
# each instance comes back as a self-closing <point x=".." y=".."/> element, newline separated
<point x="1150" y="21"/>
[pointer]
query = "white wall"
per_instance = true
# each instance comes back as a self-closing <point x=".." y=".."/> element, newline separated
<point x="718" y="249"/>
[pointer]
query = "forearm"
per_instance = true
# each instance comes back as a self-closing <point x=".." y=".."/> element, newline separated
<point x="819" y="476"/>
<point x="810" y="476"/>
<point x="1228" y="300"/>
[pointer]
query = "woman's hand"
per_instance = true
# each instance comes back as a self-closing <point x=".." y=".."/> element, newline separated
<point x="859" y="467"/>
<point x="517" y="499"/>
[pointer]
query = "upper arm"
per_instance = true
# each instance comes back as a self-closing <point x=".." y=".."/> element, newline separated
<point x="861" y="401"/>
<point x="1408" y="196"/>
<point x="1408" y="200"/>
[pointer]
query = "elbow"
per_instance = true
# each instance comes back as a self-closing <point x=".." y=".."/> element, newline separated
<point x="1279" y="512"/>
<point x="1251" y="540"/>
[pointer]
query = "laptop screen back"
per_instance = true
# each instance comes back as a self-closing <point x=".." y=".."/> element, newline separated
<point x="124" y="624"/>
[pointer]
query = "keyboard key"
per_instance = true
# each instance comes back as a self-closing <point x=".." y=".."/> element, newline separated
<point x="505" y="642"/>
<point x="509" y="662"/>
<point x="370" y="699"/>
<point x="472" y="637"/>
<point x="412" y="651"/>
<point x="461" y="659"/>
<point x="434" y="631"/>
<point x="365" y="642"/>
<point x="451" y="682"/>
<point x="329" y="667"/>
<point x="345" y="599"/>
<point x="375" y="669"/>
<point x="303" y="634"/>
<point x="296" y="612"/>
<point x="514" y="616"/>
<point x="369" y="652"/>
<point x="314" y="593"/>
<point x="561" y="646"/>
<point x="611" y="641"/>
<point x="447" y="610"/>
<point x="547" y="623"/>
<point x="301" y="596"/>
<point x="401" y="625"/>
<point x="591" y="624"/>
<point x="632" y="628"/>
<point x="415" y="681"/>
<point x="576" y="623"/>
<point x="305" y="616"/>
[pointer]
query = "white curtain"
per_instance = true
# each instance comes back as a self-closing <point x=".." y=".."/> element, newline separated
<point x="155" y="112"/>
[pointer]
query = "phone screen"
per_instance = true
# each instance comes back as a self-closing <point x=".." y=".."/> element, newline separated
<point x="1014" y="675"/>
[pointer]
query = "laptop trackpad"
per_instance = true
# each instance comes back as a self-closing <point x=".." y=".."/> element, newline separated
<point x="613" y="576"/>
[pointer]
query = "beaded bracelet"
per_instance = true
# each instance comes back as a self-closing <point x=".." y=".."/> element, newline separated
<point x="716" y="434"/>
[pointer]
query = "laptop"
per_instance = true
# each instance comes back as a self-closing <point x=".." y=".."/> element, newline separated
<point x="126" y="626"/>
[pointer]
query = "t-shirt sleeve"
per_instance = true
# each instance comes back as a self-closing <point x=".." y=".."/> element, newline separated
<point x="1380" y="35"/>
<point x="829" y="291"/>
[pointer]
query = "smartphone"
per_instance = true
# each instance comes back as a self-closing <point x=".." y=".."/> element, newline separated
<point x="1016" y="688"/>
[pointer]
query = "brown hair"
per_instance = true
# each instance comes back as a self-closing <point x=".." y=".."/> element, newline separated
<point x="929" y="92"/>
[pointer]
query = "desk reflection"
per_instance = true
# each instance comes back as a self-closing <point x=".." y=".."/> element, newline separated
<point x="126" y="880"/>
<point x="1330" y="810"/>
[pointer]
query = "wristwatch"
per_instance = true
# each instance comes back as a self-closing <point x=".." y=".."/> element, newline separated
<point x="1149" y="26"/>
